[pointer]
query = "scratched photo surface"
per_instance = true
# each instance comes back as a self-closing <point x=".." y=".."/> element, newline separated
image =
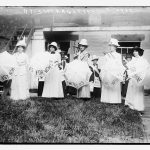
<point x="74" y="74"/>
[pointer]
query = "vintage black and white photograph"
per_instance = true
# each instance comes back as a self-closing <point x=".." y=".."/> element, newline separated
<point x="74" y="74"/>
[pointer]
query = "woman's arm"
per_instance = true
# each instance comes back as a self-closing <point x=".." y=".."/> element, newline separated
<point x="86" y="57"/>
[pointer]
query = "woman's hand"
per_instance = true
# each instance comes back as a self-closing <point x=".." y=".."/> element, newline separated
<point x="21" y="63"/>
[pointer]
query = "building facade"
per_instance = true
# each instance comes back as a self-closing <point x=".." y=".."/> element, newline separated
<point x="67" y="25"/>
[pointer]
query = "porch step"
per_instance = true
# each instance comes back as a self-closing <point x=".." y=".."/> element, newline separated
<point x="33" y="95"/>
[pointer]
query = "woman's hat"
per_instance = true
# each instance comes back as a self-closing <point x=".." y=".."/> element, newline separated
<point x="21" y="43"/>
<point x="65" y="57"/>
<point x="94" y="57"/>
<point x="53" y="44"/>
<point x="83" y="42"/>
<point x="114" y="42"/>
<point x="138" y="49"/>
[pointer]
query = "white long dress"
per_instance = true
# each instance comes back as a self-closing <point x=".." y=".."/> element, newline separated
<point x="20" y="81"/>
<point x="84" y="92"/>
<point x="53" y="80"/>
<point x="111" y="94"/>
<point x="135" y="92"/>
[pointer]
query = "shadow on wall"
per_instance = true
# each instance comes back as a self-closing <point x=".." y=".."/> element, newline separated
<point x="8" y="24"/>
<point x="3" y="43"/>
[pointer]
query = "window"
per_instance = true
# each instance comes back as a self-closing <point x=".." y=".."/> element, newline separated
<point x="125" y="47"/>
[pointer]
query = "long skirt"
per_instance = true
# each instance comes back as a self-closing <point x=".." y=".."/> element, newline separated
<point x="135" y="96"/>
<point x="124" y="89"/>
<point x="111" y="94"/>
<point x="71" y="90"/>
<point x="20" y="87"/>
<point x="40" y="88"/>
<point x="53" y="84"/>
<point x="84" y="92"/>
<point x="96" y="92"/>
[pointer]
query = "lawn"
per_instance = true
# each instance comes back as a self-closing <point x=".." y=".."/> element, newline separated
<point x="69" y="120"/>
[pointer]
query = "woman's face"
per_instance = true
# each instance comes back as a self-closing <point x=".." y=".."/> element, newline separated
<point x="136" y="53"/>
<point x="82" y="48"/>
<point x="20" y="49"/>
<point x="95" y="61"/>
<point x="112" y="48"/>
<point x="129" y="59"/>
<point x="52" y="49"/>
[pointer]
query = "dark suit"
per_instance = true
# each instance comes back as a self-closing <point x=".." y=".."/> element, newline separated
<point x="97" y="90"/>
<point x="6" y="87"/>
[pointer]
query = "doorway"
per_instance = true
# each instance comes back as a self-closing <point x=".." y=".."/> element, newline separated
<point x="62" y="38"/>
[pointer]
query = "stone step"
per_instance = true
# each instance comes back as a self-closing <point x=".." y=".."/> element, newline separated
<point x="146" y="116"/>
<point x="146" y="113"/>
<point x="33" y="95"/>
<point x="147" y="101"/>
<point x="147" y="110"/>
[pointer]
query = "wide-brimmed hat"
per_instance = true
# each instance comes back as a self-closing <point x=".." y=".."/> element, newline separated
<point x="83" y="42"/>
<point x="138" y="49"/>
<point x="94" y="57"/>
<point x="65" y="57"/>
<point x="114" y="42"/>
<point x="21" y="43"/>
<point x="53" y="44"/>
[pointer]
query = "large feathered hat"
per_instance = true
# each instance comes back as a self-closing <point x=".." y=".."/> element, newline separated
<point x="94" y="57"/>
<point x="83" y="42"/>
<point x="21" y="43"/>
<point x="114" y="42"/>
<point x="53" y="44"/>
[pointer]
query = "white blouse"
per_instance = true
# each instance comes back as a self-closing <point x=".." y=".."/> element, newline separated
<point x="22" y="62"/>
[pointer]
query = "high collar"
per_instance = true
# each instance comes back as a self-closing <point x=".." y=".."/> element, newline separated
<point x="95" y="65"/>
<point x="137" y="57"/>
<point x="20" y="53"/>
<point x="82" y="52"/>
<point x="52" y="52"/>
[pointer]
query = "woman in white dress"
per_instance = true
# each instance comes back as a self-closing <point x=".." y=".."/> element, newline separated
<point x="20" y="81"/>
<point x="135" y="92"/>
<point x="53" y="80"/>
<point x="83" y="55"/>
<point x="111" y="94"/>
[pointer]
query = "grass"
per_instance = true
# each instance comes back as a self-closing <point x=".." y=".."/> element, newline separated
<point x="70" y="120"/>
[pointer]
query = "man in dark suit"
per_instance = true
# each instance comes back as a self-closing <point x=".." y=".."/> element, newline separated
<point x="6" y="88"/>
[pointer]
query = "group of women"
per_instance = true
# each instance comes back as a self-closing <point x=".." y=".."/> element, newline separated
<point x="104" y="82"/>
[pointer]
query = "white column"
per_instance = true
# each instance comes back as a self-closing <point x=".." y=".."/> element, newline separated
<point x="71" y="50"/>
<point x="145" y="44"/>
<point x="146" y="55"/>
<point x="38" y="45"/>
<point x="38" y="42"/>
